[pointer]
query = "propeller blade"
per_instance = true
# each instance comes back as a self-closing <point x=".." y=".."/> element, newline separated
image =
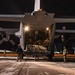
<point x="1" y="41"/>
<point x="12" y="42"/>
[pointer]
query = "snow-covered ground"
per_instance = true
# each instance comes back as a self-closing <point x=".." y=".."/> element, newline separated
<point x="2" y="57"/>
<point x="6" y="51"/>
<point x="11" y="67"/>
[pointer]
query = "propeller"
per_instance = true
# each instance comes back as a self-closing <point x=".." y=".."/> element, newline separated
<point x="6" y="38"/>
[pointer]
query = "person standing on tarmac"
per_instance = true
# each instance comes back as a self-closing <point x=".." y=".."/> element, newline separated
<point x="20" y="53"/>
<point x="64" y="54"/>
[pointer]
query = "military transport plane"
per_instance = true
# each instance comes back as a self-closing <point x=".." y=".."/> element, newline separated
<point x="36" y="20"/>
<point x="33" y="20"/>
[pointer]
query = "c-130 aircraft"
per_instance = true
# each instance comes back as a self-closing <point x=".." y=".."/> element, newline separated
<point x="36" y="20"/>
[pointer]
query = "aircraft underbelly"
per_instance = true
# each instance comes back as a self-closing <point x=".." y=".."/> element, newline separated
<point x="38" y="20"/>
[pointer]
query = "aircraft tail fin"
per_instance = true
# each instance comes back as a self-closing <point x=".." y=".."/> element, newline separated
<point x="37" y="5"/>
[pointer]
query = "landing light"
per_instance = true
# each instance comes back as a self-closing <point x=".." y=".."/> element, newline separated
<point x="26" y="28"/>
<point x="47" y="28"/>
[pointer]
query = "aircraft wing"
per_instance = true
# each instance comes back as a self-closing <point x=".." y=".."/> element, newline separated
<point x="8" y="31"/>
<point x="13" y="18"/>
<point x="64" y="20"/>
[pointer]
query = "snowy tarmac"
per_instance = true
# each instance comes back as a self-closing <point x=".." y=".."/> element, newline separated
<point x="31" y="67"/>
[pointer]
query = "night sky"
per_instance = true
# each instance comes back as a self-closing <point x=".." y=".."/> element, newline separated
<point x="59" y="7"/>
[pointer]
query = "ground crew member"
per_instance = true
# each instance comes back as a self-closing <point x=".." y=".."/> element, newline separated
<point x="20" y="53"/>
<point x="64" y="54"/>
<point x="5" y="52"/>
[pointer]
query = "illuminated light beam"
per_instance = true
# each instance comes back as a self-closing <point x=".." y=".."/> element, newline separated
<point x="26" y="28"/>
<point x="47" y="28"/>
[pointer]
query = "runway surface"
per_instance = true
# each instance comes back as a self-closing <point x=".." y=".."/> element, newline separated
<point x="31" y="67"/>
